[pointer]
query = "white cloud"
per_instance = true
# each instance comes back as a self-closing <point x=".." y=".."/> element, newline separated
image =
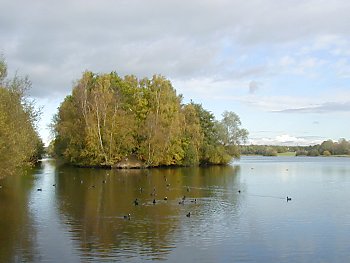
<point x="275" y="103"/>
<point x="209" y="49"/>
<point x="175" y="38"/>
<point x="287" y="140"/>
<point x="327" y="107"/>
<point x="208" y="88"/>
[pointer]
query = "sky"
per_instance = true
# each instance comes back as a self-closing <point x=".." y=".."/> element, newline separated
<point x="282" y="66"/>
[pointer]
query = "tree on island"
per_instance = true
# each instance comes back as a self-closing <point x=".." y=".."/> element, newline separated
<point x="108" y="119"/>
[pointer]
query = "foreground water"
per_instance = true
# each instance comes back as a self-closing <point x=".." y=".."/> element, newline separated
<point x="79" y="214"/>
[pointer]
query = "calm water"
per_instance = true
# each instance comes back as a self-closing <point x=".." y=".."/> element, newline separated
<point x="81" y="218"/>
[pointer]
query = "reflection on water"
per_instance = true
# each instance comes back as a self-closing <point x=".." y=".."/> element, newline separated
<point x="94" y="202"/>
<point x="17" y="234"/>
<point x="81" y="215"/>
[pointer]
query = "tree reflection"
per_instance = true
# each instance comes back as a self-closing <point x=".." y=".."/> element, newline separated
<point x="93" y="203"/>
<point x="17" y="235"/>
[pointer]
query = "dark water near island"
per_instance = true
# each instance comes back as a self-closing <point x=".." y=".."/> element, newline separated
<point x="81" y="218"/>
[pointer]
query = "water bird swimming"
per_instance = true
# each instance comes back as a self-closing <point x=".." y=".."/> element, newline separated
<point x="188" y="214"/>
<point x="127" y="216"/>
<point x="39" y="189"/>
<point x="54" y="185"/>
<point x="153" y="192"/>
<point x="239" y="191"/>
<point x="289" y="199"/>
<point x="154" y="201"/>
<point x="194" y="201"/>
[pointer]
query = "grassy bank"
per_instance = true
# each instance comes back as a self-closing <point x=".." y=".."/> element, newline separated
<point x="288" y="154"/>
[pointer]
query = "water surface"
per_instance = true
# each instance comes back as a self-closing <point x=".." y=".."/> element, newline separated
<point x="79" y="214"/>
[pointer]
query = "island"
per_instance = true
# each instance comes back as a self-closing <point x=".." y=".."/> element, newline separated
<point x="125" y="122"/>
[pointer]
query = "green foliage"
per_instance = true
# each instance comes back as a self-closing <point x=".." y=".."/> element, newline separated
<point x="19" y="141"/>
<point x="3" y="69"/>
<point x="301" y="153"/>
<point x="326" y="148"/>
<point x="192" y="138"/>
<point x="270" y="152"/>
<point x="230" y="131"/>
<point x="108" y="118"/>
<point x="266" y="150"/>
<point x="326" y="153"/>
<point x="313" y="152"/>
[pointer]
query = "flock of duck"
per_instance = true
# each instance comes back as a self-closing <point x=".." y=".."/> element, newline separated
<point x="153" y="193"/>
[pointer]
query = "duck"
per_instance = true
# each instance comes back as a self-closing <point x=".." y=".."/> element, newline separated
<point x="194" y="201"/>
<point x="166" y="198"/>
<point x="289" y="199"/>
<point x="239" y="191"/>
<point x="154" y="201"/>
<point x="136" y="202"/>
<point x="54" y="185"/>
<point x="39" y="189"/>
<point x="127" y="216"/>
<point x="188" y="214"/>
<point x="153" y="192"/>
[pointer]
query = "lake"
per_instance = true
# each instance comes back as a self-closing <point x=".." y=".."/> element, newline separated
<point x="238" y="213"/>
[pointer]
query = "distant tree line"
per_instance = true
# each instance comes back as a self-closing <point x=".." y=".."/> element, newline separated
<point x="108" y="119"/>
<point x="265" y="150"/>
<point x="19" y="140"/>
<point x="326" y="148"/>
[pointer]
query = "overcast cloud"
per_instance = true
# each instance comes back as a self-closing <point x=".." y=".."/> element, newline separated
<point x="237" y="44"/>
<point x="179" y="39"/>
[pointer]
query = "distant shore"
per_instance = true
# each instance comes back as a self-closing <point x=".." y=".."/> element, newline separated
<point x="293" y="154"/>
